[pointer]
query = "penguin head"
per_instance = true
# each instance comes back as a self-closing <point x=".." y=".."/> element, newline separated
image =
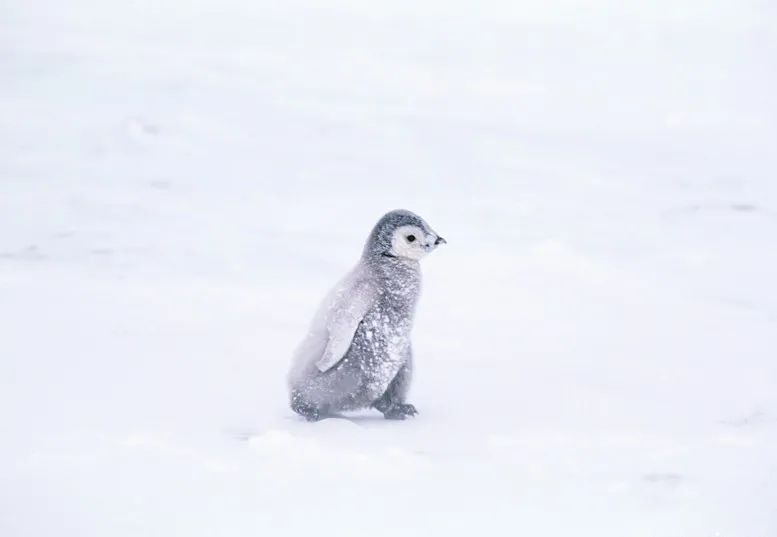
<point x="402" y="234"/>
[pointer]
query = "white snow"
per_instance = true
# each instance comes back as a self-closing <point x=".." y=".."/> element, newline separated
<point x="596" y="346"/>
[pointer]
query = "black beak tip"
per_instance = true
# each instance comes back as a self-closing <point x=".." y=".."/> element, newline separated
<point x="440" y="241"/>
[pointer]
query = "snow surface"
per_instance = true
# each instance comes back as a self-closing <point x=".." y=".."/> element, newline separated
<point x="182" y="181"/>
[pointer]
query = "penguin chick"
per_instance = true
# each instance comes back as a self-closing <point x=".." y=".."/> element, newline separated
<point x="357" y="353"/>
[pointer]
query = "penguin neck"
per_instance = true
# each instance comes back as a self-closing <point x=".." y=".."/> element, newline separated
<point x="400" y="277"/>
<point x="387" y="264"/>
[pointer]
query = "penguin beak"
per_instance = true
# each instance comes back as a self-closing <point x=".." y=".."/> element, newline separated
<point x="440" y="241"/>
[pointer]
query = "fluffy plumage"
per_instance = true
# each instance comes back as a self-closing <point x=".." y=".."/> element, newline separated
<point x="357" y="353"/>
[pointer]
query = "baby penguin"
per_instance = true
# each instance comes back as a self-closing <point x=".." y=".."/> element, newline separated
<point x="357" y="353"/>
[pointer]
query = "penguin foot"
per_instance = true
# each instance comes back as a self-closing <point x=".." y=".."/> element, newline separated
<point x="312" y="415"/>
<point x="306" y="410"/>
<point x="400" y="411"/>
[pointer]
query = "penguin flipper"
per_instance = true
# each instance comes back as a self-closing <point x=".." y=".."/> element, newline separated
<point x="344" y="320"/>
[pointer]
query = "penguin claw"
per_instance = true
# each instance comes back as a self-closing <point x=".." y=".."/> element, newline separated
<point x="400" y="412"/>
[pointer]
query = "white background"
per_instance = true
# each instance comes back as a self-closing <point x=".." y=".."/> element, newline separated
<point x="181" y="182"/>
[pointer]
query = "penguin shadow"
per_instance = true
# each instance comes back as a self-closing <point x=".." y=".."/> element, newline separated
<point x="363" y="419"/>
<point x="293" y="423"/>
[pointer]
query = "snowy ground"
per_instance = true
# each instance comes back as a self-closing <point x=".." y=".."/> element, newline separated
<point x="181" y="182"/>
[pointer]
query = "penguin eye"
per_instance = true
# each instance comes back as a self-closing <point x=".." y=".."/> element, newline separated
<point x="410" y="238"/>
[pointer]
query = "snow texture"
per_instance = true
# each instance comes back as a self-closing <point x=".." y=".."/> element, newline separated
<point x="181" y="182"/>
